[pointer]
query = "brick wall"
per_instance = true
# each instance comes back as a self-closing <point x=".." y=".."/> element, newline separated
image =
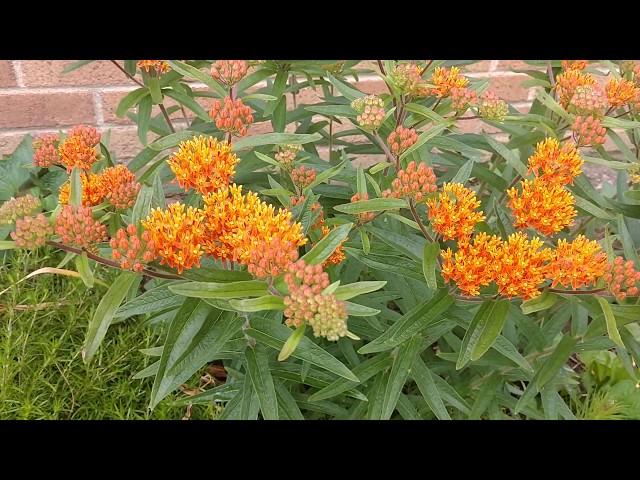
<point x="36" y="97"/>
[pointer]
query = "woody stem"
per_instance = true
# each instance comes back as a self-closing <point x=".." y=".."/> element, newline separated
<point x="416" y="217"/>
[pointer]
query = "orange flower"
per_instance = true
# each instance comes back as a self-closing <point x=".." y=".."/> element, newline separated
<point x="204" y="164"/>
<point x="232" y="116"/>
<point x="93" y="192"/>
<point x="90" y="135"/>
<point x="447" y="79"/>
<point x="75" y="152"/>
<point x="154" y="66"/>
<point x="236" y="223"/>
<point x="520" y="266"/>
<point x="229" y="72"/>
<point x="177" y="235"/>
<point x="547" y="208"/>
<point x="453" y="213"/>
<point x="471" y="266"/>
<point x="574" y="64"/>
<point x="337" y="256"/>
<point x="271" y="258"/>
<point x="46" y="151"/>
<point x="577" y="264"/>
<point x="555" y="165"/>
<point x="400" y="139"/>
<point x="120" y="186"/>
<point x="621" y="279"/>
<point x="620" y="92"/>
<point x="76" y="226"/>
<point x="132" y="250"/>
<point x="413" y="182"/>
<point x="568" y="81"/>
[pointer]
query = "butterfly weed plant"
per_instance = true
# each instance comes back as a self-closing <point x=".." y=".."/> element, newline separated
<point x="459" y="277"/>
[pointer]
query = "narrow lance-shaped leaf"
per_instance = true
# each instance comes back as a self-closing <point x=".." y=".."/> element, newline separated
<point x="429" y="260"/>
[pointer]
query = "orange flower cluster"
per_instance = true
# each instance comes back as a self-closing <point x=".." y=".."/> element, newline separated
<point x="463" y="98"/>
<point x="307" y="304"/>
<point x="19" y="207"/>
<point x="286" y="154"/>
<point x="154" y="66"/>
<point x="577" y="264"/>
<point x="204" y="164"/>
<point x="415" y="182"/>
<point x="406" y="77"/>
<point x="76" y="226"/>
<point x="491" y="107"/>
<point x="588" y="131"/>
<point x="338" y="255"/>
<point x="621" y="92"/>
<point x="235" y="223"/>
<point x="116" y="184"/>
<point x="89" y="135"/>
<point x="622" y="278"/>
<point x="568" y="81"/>
<point x="229" y="72"/>
<point x="447" y="79"/>
<point x="521" y="266"/>
<point x="363" y="217"/>
<point x="46" y="151"/>
<point x="303" y="176"/>
<point x="231" y="116"/>
<point x="32" y="232"/>
<point x="370" y="111"/>
<point x="472" y="265"/>
<point x="75" y="152"/>
<point x="554" y="164"/>
<point x="177" y="234"/>
<point x="546" y="207"/>
<point x="574" y="64"/>
<point x="271" y="258"/>
<point x="453" y="213"/>
<point x="588" y="100"/>
<point x="400" y="139"/>
<point x="132" y="250"/>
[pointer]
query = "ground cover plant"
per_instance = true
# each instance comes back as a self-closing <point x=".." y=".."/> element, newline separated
<point x="462" y="277"/>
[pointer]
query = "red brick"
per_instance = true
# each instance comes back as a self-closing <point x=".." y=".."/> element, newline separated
<point x="45" y="110"/>
<point x="7" y="78"/>
<point x="510" y="87"/>
<point x="124" y="141"/>
<point x="48" y="73"/>
<point x="510" y="65"/>
<point x="481" y="66"/>
<point x="9" y="142"/>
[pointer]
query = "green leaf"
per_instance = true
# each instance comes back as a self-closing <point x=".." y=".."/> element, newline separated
<point x="539" y="303"/>
<point x="349" y="92"/>
<point x="267" y="159"/>
<point x="356" y="310"/>
<point x="105" y="312"/>
<point x="424" y="380"/>
<point x="410" y="244"/>
<point x="327" y="245"/>
<point x="144" y="117"/>
<point x="327" y="174"/>
<point x="463" y="174"/>
<point x="423" y="138"/>
<point x="286" y="403"/>
<point x="346" y="292"/>
<point x="82" y="264"/>
<point x="75" y="65"/>
<point x="142" y="206"/>
<point x="153" y="300"/>
<point x="366" y="243"/>
<point x="415" y="320"/>
<point x="400" y="369"/>
<point x="262" y="381"/>
<point x="429" y="260"/>
<point x="8" y="245"/>
<point x="610" y="320"/>
<point x="483" y="331"/>
<point x="627" y="242"/>
<point x="274" y="335"/>
<point x="196" y="334"/>
<point x="510" y="156"/>
<point x="559" y="357"/>
<point x="267" y="302"/>
<point x="132" y="98"/>
<point x="192" y="72"/>
<point x="374" y="205"/>
<point x="274" y="139"/>
<point x="75" y="194"/>
<point x="188" y="102"/>
<point x="592" y="209"/>
<point x="153" y="83"/>
<point x="486" y="395"/>
<point x="333" y="110"/>
<point x="172" y="140"/>
<point x="292" y="343"/>
<point x="249" y="288"/>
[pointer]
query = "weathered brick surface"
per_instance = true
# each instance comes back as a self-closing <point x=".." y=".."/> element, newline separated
<point x="45" y="110"/>
<point x="46" y="73"/>
<point x="510" y="87"/>
<point x="7" y="77"/>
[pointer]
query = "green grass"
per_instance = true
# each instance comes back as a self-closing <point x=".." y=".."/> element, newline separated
<point x="43" y="322"/>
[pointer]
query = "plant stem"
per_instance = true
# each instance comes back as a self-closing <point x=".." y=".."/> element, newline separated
<point x="387" y="152"/>
<point x="166" y="117"/>
<point x="426" y="67"/>
<point x="131" y="77"/>
<point x="110" y="263"/>
<point x="416" y="217"/>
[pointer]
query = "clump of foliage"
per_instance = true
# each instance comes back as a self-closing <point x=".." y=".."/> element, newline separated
<point x="460" y="277"/>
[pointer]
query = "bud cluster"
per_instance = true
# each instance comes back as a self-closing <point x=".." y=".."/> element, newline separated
<point x="32" y="232"/>
<point x="231" y="116"/>
<point x="76" y="226"/>
<point x="132" y="250"/>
